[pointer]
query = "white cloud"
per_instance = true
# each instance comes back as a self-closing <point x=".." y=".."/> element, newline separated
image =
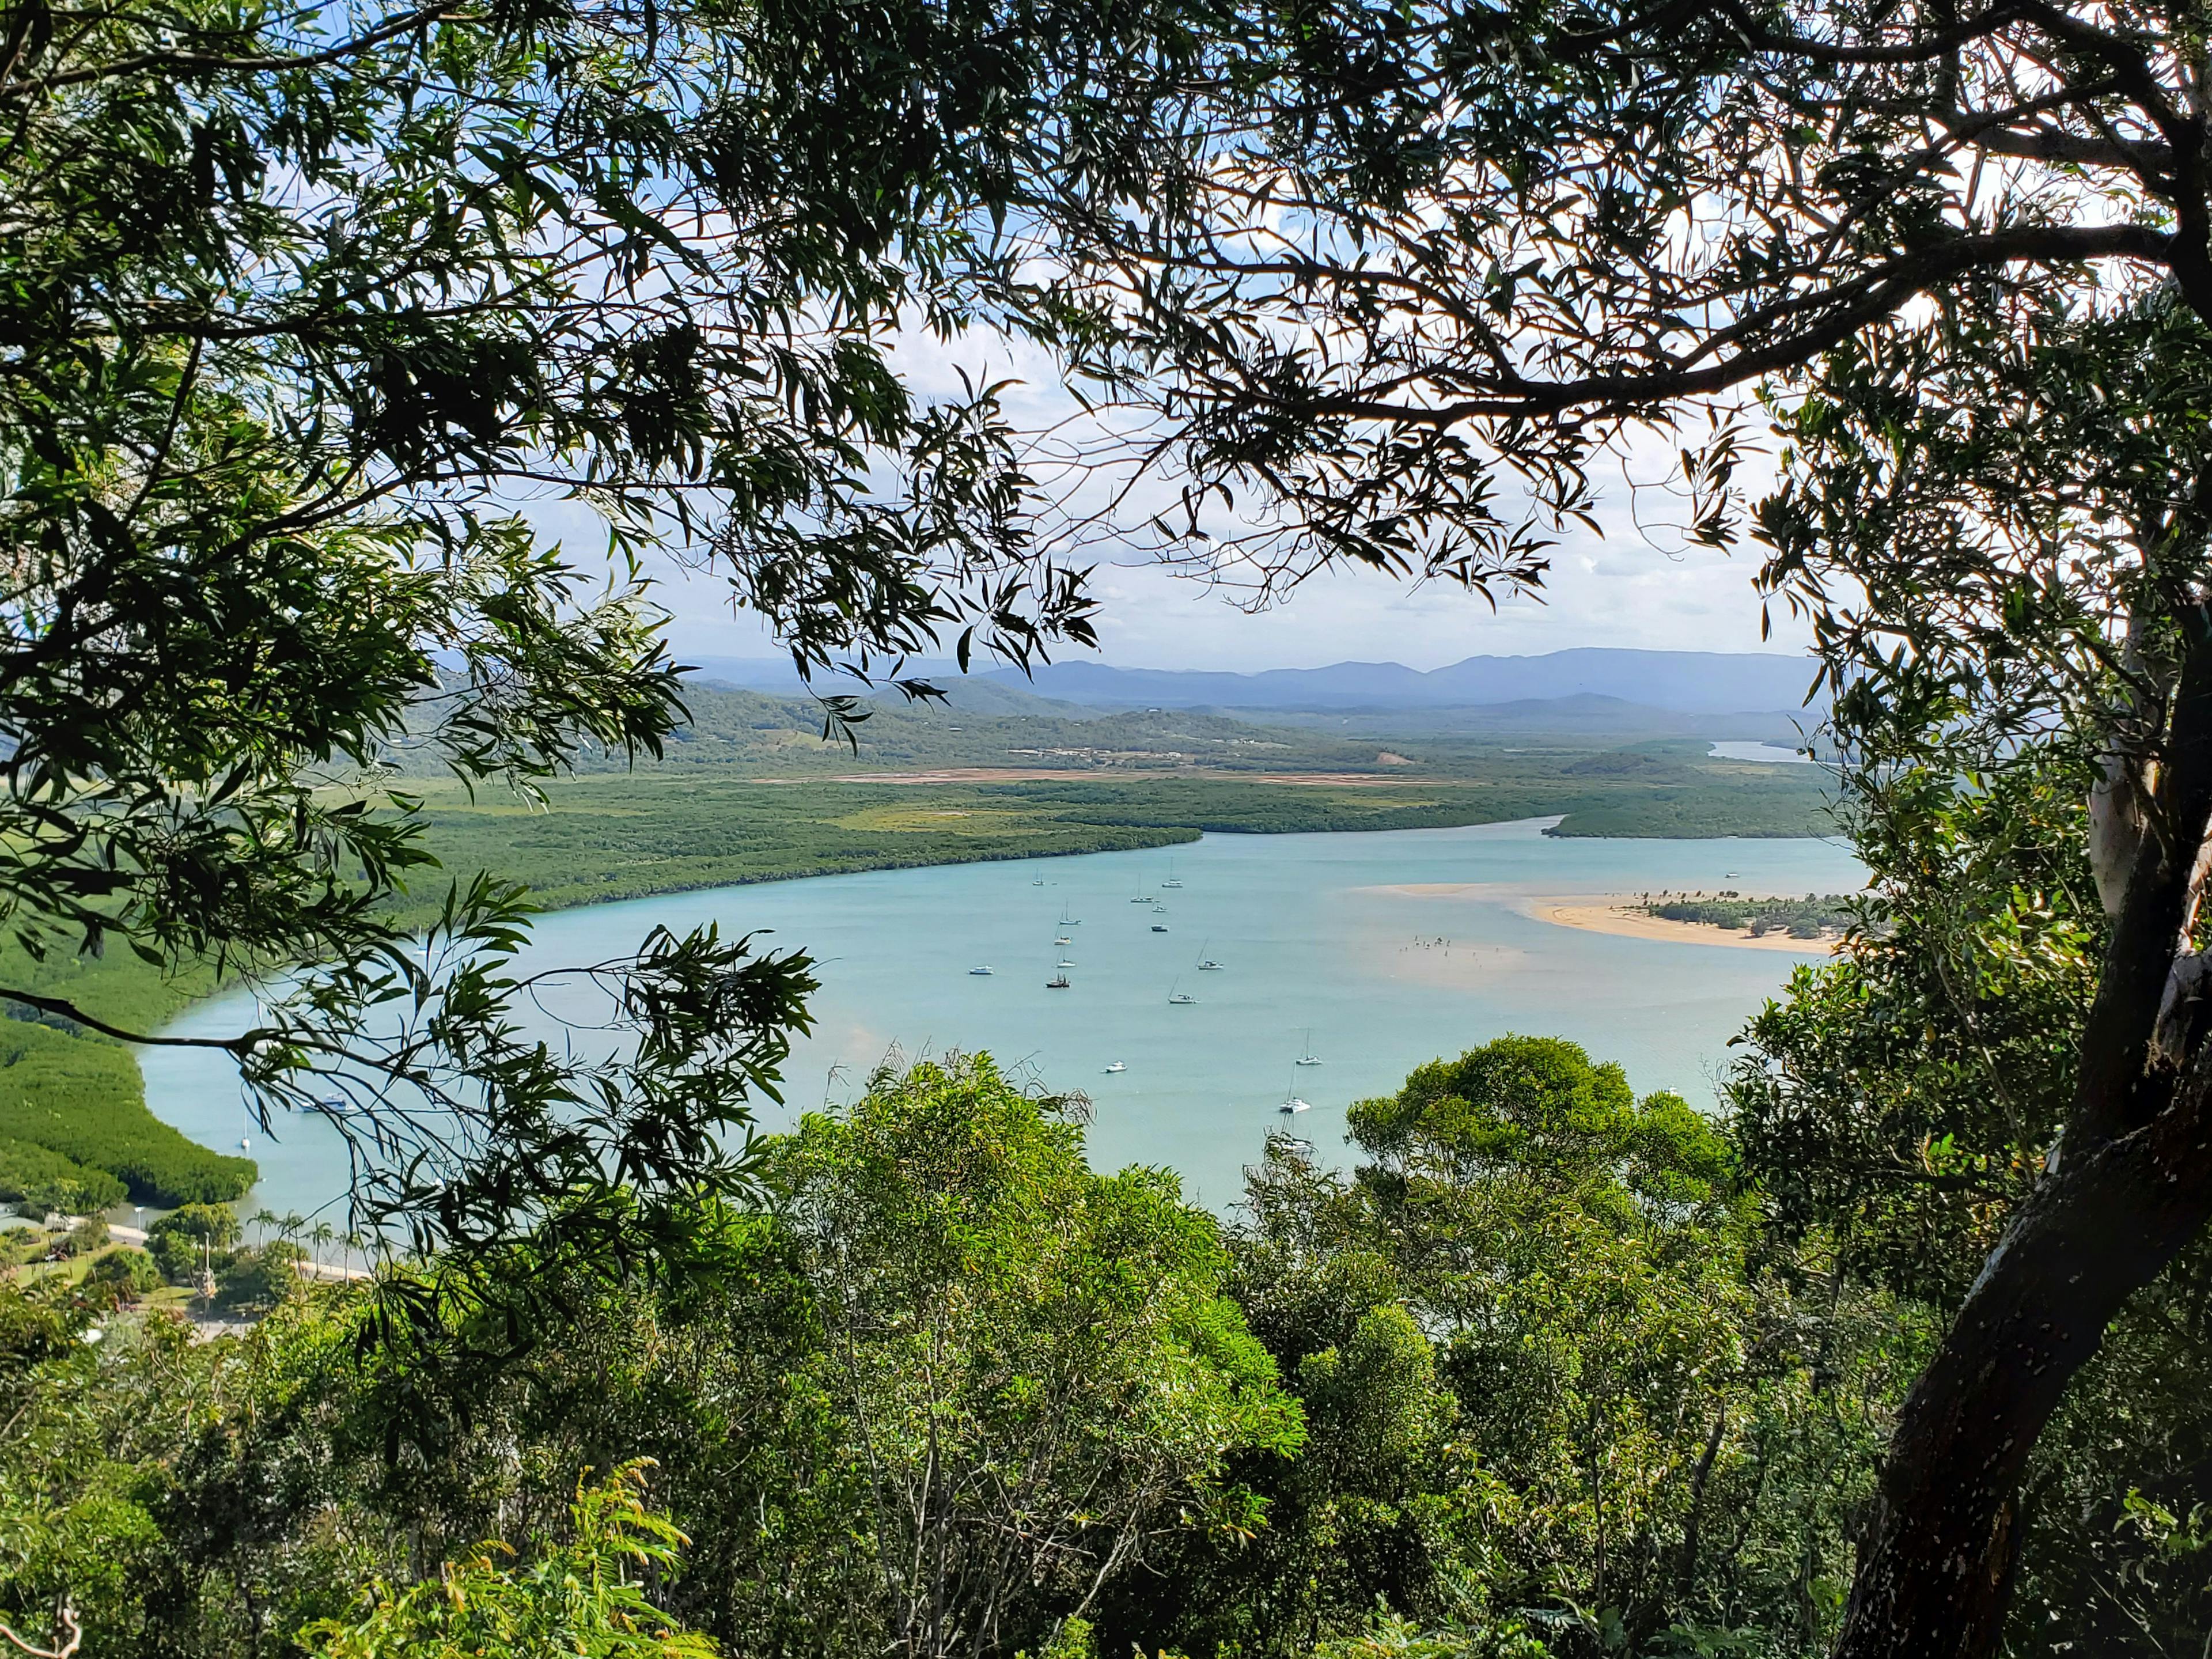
<point x="1635" y="586"/>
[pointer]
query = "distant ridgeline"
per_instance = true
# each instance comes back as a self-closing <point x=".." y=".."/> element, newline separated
<point x="75" y="1135"/>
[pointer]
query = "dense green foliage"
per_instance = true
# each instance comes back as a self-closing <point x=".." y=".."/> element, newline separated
<point x="1532" y="1380"/>
<point x="1806" y="917"/>
<point x="621" y="837"/>
<point x="85" y="1100"/>
<point x="575" y="1597"/>
<point x="295" y="301"/>
<point x="40" y="1179"/>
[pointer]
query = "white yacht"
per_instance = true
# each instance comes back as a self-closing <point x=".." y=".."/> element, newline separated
<point x="1118" y="1065"/>
<point x="1293" y="1106"/>
<point x="979" y="973"/>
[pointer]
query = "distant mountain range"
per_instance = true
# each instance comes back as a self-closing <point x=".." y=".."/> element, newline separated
<point x="1682" y="682"/>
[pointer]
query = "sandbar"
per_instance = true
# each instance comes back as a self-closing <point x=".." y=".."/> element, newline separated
<point x="1605" y="913"/>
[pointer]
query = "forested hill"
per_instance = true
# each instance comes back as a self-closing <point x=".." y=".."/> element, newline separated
<point x="986" y="723"/>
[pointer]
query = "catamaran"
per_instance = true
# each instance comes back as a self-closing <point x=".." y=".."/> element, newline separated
<point x="1293" y="1106"/>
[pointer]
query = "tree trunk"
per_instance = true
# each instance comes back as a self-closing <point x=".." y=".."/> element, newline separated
<point x="1935" y="1568"/>
<point x="2132" y="1187"/>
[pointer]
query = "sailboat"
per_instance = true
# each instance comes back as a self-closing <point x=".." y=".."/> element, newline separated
<point x="1310" y="1058"/>
<point x="1066" y="920"/>
<point x="1180" y="998"/>
<point x="1057" y="982"/>
<point x="1063" y="939"/>
<point x="1292" y="1105"/>
<point x="1063" y="963"/>
<point x="1207" y="964"/>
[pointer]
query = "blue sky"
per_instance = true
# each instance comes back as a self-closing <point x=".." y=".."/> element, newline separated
<point x="1632" y="586"/>
<point x="1613" y="592"/>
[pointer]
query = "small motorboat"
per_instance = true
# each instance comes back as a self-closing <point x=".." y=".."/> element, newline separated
<point x="1118" y="1065"/>
<point x="979" y="973"/>
<point x="1159" y="927"/>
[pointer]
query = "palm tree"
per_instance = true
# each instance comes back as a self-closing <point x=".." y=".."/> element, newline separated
<point x="263" y="1220"/>
<point x="322" y="1236"/>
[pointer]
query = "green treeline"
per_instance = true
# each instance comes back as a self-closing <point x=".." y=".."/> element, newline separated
<point x="1806" y="917"/>
<point x="1538" y="1376"/>
<point x="624" y="835"/>
<point x="76" y="1132"/>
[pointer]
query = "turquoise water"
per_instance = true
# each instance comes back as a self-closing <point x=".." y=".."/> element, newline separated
<point x="1321" y="944"/>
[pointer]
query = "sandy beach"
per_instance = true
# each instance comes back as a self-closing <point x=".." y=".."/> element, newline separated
<point x="1611" y="913"/>
<point x="1603" y="913"/>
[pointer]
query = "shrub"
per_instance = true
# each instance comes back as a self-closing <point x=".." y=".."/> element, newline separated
<point x="254" y="1281"/>
<point x="127" y="1269"/>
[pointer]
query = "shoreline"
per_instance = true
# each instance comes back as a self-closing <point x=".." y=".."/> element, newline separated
<point x="1614" y="914"/>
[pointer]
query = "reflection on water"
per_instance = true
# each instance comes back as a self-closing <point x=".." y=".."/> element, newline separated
<point x="1326" y="935"/>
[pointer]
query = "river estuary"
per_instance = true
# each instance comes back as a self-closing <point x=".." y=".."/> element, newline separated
<point x="1368" y="952"/>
